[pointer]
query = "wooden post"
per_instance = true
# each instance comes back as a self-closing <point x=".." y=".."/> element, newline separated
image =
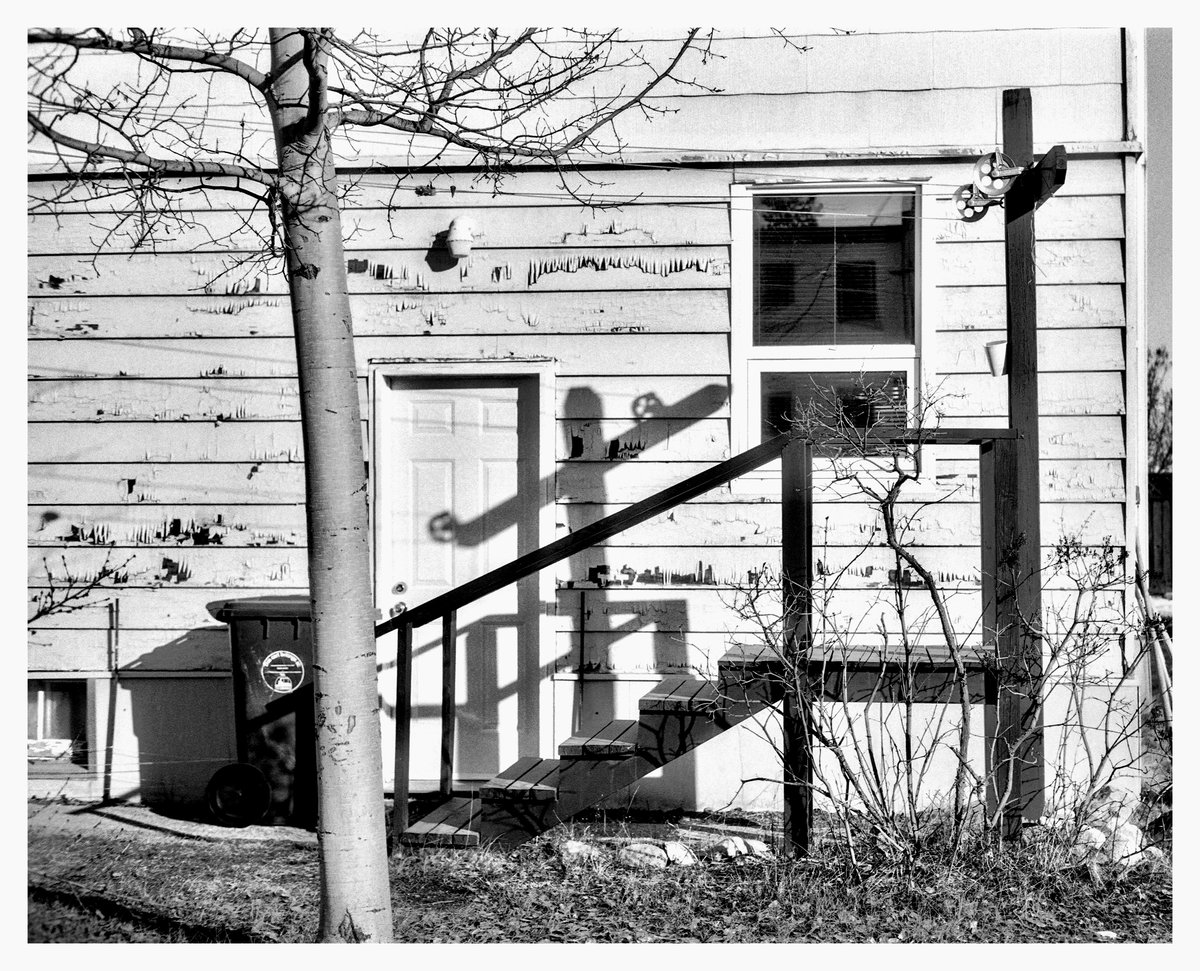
<point x="797" y="592"/>
<point x="999" y="541"/>
<point x="403" y="730"/>
<point x="449" y="683"/>
<point x="1017" y="551"/>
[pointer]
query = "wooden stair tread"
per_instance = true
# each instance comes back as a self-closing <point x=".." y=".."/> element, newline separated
<point x="755" y="656"/>
<point x="617" y="738"/>
<point x="681" y="694"/>
<point x="750" y="655"/>
<point x="528" y="778"/>
<point x="450" y="824"/>
<point x="872" y="658"/>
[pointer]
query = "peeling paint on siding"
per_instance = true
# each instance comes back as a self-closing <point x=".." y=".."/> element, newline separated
<point x="234" y="307"/>
<point x="651" y="265"/>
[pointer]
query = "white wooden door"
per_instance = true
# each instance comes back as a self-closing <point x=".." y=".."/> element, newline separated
<point x="459" y="455"/>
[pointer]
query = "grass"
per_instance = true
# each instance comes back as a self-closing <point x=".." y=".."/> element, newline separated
<point x="182" y="889"/>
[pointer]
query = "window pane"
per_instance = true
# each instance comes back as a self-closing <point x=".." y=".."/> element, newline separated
<point x="61" y="732"/>
<point x="34" y="691"/>
<point x="865" y="400"/>
<point x="834" y="269"/>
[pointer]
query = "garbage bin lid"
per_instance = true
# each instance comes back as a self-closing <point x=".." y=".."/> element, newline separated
<point x="286" y="607"/>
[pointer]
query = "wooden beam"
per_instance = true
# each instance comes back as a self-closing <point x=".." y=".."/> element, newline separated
<point x="797" y="587"/>
<point x="403" y="732"/>
<point x="449" y="684"/>
<point x="1017" y="531"/>
<point x="1037" y="183"/>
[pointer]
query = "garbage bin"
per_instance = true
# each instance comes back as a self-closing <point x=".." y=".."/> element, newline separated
<point x="275" y="778"/>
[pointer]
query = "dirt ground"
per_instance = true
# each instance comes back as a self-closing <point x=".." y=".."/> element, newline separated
<point x="126" y="873"/>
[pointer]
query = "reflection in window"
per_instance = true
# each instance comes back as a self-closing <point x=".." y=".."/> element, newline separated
<point x="834" y="269"/>
<point x="873" y="399"/>
<point x="57" y="721"/>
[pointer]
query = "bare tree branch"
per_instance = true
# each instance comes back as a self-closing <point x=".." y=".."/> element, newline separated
<point x="156" y="166"/>
<point x="144" y="46"/>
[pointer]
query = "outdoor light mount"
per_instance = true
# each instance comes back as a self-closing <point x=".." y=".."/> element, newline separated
<point x="461" y="236"/>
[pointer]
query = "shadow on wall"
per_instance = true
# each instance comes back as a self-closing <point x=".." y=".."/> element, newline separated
<point x="170" y="729"/>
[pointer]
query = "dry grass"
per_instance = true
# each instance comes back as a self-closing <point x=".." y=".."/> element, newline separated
<point x="187" y="889"/>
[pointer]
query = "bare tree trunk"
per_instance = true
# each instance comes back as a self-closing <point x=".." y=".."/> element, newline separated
<point x="355" y="897"/>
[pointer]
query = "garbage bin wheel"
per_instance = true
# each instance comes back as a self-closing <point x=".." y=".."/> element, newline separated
<point x="238" y="794"/>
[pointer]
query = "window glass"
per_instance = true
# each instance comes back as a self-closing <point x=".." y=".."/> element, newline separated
<point x="863" y="399"/>
<point x="57" y="720"/>
<point x="834" y="269"/>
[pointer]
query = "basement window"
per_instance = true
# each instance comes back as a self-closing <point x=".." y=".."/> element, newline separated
<point x="57" y="719"/>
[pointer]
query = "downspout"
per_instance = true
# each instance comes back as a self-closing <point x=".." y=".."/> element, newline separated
<point x="1136" y="430"/>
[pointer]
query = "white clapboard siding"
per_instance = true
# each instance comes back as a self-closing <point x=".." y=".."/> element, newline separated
<point x="639" y="396"/>
<point x="166" y="441"/>
<point x="1071" y="480"/>
<point x="380" y="190"/>
<point x="1058" y="306"/>
<point x="874" y="120"/>
<point x="640" y="653"/>
<point x="628" y="398"/>
<point x="1090" y="437"/>
<point x="393" y="271"/>
<point x="196" y="566"/>
<point x="705" y="609"/>
<point x="192" y="483"/>
<point x="853" y="567"/>
<point x="54" y="649"/>
<point x="982" y="396"/>
<point x="1072" y="350"/>
<point x="953" y="307"/>
<point x="1055" y="262"/>
<point x="903" y="60"/>
<point x="536" y="225"/>
<point x="648" y="608"/>
<point x="276" y="357"/>
<point x="515" y="270"/>
<point x="1061" y="438"/>
<point x="675" y="184"/>
<point x="844" y="524"/>
<point x="150" y="484"/>
<point x="154" y="608"/>
<point x="657" y="439"/>
<point x="142" y="524"/>
<point x="221" y="399"/>
<point x="639" y="224"/>
<point x="1071" y="217"/>
<point x="407" y="315"/>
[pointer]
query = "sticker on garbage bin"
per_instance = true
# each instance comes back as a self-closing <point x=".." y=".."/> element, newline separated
<point x="282" y="671"/>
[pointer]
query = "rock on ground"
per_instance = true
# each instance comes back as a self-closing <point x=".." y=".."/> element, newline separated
<point x="643" y="856"/>
<point x="727" y="849"/>
<point x="679" y="855"/>
<point x="578" y="851"/>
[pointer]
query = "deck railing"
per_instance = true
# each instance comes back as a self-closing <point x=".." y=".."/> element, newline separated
<point x="796" y="496"/>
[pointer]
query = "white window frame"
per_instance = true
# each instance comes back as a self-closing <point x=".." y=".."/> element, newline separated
<point x="44" y="679"/>
<point x="748" y="362"/>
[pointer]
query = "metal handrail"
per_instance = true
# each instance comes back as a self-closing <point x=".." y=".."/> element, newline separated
<point x="446" y="605"/>
<point x="639" y="512"/>
<point x="588" y="536"/>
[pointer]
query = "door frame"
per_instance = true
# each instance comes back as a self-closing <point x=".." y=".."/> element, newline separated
<point x="382" y="453"/>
